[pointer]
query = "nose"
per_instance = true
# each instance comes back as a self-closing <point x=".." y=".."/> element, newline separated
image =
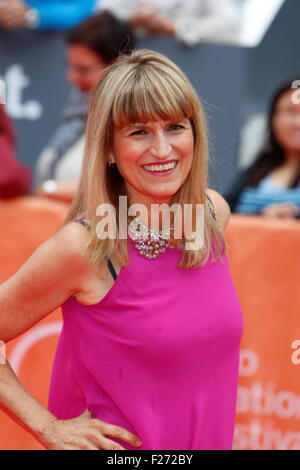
<point x="160" y="146"/>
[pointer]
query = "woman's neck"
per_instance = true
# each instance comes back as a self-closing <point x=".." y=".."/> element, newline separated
<point x="151" y="207"/>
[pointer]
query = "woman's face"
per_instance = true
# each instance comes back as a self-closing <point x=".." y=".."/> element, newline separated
<point x="154" y="158"/>
<point x="286" y="122"/>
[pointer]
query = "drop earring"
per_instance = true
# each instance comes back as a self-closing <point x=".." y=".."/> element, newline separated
<point x="111" y="164"/>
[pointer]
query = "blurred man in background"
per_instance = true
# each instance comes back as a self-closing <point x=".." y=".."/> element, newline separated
<point x="92" y="46"/>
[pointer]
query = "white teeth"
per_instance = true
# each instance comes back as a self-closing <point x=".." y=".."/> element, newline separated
<point x="166" y="166"/>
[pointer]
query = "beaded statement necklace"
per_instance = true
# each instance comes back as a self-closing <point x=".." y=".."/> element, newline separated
<point x="148" y="242"/>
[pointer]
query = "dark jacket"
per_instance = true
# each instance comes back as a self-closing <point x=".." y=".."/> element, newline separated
<point x="237" y="186"/>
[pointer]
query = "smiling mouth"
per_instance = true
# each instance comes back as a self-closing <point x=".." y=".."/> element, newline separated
<point x="160" y="169"/>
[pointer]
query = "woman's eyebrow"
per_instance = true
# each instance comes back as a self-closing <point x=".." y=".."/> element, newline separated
<point x="139" y="125"/>
<point x="136" y="125"/>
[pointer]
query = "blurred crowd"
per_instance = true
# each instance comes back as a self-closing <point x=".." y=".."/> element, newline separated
<point x="191" y="21"/>
<point x="96" y="33"/>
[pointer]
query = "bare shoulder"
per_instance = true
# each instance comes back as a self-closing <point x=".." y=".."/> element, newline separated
<point x="62" y="256"/>
<point x="69" y="242"/>
<point x="65" y="245"/>
<point x="221" y="206"/>
<point x="55" y="271"/>
<point x="71" y="238"/>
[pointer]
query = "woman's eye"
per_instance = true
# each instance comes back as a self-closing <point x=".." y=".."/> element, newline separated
<point x="173" y="127"/>
<point x="141" y="132"/>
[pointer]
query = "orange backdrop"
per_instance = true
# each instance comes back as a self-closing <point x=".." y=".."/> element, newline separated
<point x="26" y="222"/>
<point x="264" y="257"/>
<point x="265" y="265"/>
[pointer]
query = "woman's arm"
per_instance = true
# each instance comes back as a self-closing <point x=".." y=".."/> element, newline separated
<point x="20" y="405"/>
<point x="54" y="272"/>
<point x="80" y="433"/>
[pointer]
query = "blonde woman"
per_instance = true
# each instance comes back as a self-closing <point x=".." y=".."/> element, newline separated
<point x="149" y="348"/>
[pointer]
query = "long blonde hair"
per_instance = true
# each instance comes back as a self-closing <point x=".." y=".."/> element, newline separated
<point x="143" y="86"/>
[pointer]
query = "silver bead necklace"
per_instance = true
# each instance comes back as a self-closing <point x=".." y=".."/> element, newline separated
<point x="148" y="242"/>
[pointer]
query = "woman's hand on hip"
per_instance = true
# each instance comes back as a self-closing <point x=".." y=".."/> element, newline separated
<point x="85" y="433"/>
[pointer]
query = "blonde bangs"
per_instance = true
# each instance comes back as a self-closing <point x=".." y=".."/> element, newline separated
<point x="150" y="96"/>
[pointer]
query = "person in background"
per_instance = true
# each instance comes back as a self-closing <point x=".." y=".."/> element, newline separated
<point x="191" y="22"/>
<point x="270" y="186"/>
<point x="44" y="14"/>
<point x="15" y="178"/>
<point x="92" y="45"/>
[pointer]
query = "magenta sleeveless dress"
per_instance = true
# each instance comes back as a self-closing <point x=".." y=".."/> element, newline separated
<point x="158" y="355"/>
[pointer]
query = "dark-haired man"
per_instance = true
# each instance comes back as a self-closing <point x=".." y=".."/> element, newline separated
<point x="92" y="46"/>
